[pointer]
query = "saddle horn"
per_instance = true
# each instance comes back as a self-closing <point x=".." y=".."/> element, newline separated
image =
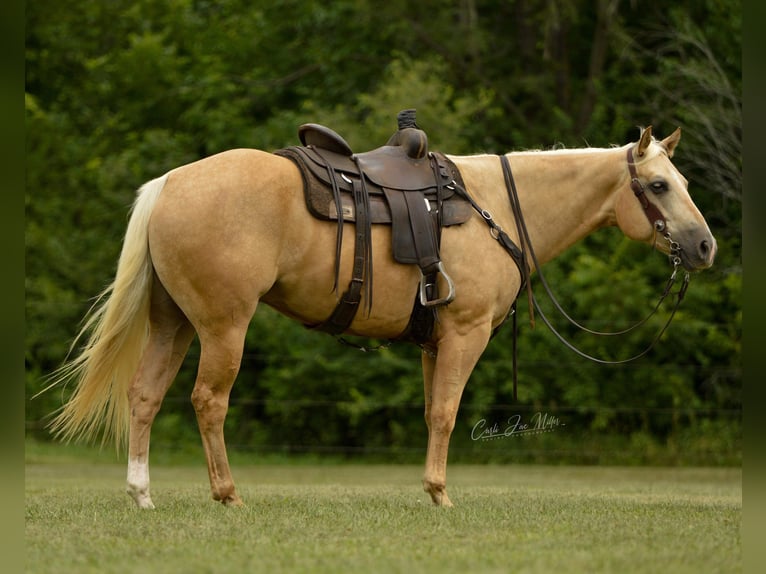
<point x="410" y="137"/>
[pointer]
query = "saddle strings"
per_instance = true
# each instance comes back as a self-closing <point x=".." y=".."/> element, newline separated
<point x="367" y="230"/>
<point x="339" y="231"/>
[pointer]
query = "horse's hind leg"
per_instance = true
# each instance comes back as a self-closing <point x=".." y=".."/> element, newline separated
<point x="221" y="355"/>
<point x="169" y="339"/>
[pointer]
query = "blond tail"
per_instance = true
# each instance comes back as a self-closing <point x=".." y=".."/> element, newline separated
<point x="117" y="327"/>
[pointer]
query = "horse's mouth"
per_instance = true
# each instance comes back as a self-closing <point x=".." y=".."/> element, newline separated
<point x="694" y="253"/>
<point x="701" y="258"/>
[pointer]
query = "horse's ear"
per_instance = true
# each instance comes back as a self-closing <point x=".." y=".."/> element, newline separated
<point x="645" y="141"/>
<point x="671" y="141"/>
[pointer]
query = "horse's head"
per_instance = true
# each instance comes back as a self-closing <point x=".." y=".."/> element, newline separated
<point x="656" y="207"/>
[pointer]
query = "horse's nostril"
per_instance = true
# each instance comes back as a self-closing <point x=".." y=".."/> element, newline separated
<point x="707" y="251"/>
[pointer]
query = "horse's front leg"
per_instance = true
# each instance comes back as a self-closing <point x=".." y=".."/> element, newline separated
<point x="448" y="373"/>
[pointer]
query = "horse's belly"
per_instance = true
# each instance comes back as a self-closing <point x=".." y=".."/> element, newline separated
<point x="311" y="299"/>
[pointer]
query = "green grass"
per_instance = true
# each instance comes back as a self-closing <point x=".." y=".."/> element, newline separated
<point x="375" y="518"/>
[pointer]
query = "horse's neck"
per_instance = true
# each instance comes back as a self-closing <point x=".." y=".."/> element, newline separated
<point x="566" y="195"/>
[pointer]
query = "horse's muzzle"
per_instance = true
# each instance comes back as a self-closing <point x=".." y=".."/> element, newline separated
<point x="699" y="252"/>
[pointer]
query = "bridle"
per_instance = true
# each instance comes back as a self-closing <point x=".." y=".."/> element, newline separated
<point x="653" y="214"/>
<point x="659" y="224"/>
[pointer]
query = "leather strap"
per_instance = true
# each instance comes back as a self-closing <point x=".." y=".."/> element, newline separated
<point x="339" y="233"/>
<point x="346" y="309"/>
<point x="423" y="233"/>
<point x="653" y="214"/>
<point x="513" y="197"/>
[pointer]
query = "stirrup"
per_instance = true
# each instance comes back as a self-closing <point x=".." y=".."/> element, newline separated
<point x="424" y="286"/>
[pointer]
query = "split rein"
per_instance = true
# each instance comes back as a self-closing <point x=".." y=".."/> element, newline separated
<point x="658" y="223"/>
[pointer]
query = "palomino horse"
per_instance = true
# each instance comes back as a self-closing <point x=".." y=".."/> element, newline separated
<point x="208" y="241"/>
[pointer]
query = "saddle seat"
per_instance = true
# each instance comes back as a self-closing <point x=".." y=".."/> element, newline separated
<point x="401" y="184"/>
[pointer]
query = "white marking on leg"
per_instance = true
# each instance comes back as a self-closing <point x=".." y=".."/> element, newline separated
<point x="138" y="482"/>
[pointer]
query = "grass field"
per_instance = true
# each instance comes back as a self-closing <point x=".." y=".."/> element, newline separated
<point x="375" y="518"/>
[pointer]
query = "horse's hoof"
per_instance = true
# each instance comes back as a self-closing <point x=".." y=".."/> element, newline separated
<point x="232" y="501"/>
<point x="442" y="500"/>
<point x="143" y="501"/>
<point x="140" y="497"/>
<point x="146" y="504"/>
<point x="438" y="493"/>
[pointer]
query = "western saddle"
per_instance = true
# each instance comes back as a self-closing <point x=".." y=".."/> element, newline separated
<point x="401" y="184"/>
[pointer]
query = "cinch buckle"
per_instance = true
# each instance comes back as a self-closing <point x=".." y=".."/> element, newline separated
<point x="424" y="289"/>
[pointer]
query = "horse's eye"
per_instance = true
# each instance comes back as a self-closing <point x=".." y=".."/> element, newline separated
<point x="659" y="186"/>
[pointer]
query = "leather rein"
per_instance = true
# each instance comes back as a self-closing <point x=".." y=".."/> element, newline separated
<point x="654" y="216"/>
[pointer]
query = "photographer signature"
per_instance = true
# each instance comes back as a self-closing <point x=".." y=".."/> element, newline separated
<point x="538" y="423"/>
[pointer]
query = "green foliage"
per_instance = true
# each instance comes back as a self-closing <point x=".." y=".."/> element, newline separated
<point x="118" y="93"/>
<point x="407" y="83"/>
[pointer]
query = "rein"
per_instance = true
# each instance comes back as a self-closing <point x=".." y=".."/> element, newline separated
<point x="658" y="222"/>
